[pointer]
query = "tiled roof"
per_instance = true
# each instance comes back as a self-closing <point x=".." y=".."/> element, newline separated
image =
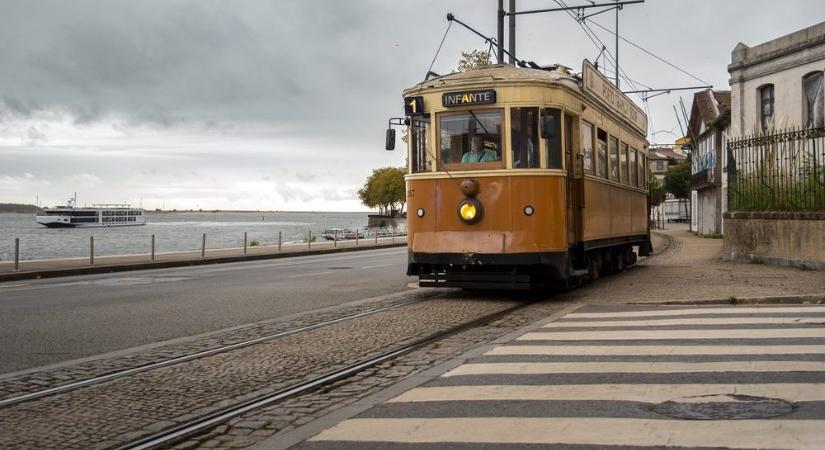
<point x="708" y="106"/>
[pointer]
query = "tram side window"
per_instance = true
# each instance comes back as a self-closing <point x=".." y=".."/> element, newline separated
<point x="471" y="138"/>
<point x="524" y="139"/>
<point x="614" y="159"/>
<point x="587" y="147"/>
<point x="634" y="170"/>
<point x="552" y="116"/>
<point x="642" y="171"/>
<point x="601" y="153"/>
<point x="623" y="163"/>
<point x="419" y="145"/>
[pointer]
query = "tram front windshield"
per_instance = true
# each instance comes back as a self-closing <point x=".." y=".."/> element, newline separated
<point x="471" y="137"/>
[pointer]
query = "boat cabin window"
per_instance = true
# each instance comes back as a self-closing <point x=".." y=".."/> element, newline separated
<point x="587" y="147"/>
<point x="553" y="138"/>
<point x="419" y="145"/>
<point x="601" y="153"/>
<point x="471" y="140"/>
<point x="614" y="158"/>
<point x="524" y="137"/>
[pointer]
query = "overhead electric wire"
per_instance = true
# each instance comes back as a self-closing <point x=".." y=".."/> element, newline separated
<point x="651" y="53"/>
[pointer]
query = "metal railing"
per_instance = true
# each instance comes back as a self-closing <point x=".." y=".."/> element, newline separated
<point x="782" y="171"/>
<point x="331" y="239"/>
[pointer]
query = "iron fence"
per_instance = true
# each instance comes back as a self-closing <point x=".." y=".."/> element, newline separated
<point x="782" y="171"/>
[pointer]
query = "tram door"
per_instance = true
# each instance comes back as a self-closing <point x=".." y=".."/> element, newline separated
<point x="575" y="183"/>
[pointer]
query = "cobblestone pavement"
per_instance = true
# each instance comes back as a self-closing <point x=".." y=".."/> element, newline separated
<point x="124" y="409"/>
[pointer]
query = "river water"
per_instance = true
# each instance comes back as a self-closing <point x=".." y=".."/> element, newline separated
<point x="173" y="232"/>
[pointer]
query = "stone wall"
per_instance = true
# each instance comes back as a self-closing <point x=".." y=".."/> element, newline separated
<point x="376" y="220"/>
<point x="792" y="239"/>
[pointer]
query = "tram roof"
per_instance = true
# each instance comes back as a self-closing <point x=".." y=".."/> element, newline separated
<point x="502" y="72"/>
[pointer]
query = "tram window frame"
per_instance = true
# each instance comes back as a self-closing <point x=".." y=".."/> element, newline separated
<point x="613" y="148"/>
<point x="553" y="144"/>
<point x="419" y="161"/>
<point x="459" y="166"/>
<point x="623" y="158"/>
<point x="587" y="147"/>
<point x="520" y="147"/>
<point x="601" y="153"/>
<point x="642" y="170"/>
<point x="633" y="166"/>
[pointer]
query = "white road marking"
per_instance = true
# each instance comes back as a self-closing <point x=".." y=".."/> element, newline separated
<point x="627" y="350"/>
<point x="10" y="285"/>
<point x="377" y="266"/>
<point x="634" y="367"/>
<point x="649" y="393"/>
<point x="742" y="333"/>
<point x="793" y="434"/>
<point x="313" y="274"/>
<point x="711" y="321"/>
<point x="694" y="311"/>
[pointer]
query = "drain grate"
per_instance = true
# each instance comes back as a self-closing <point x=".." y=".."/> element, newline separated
<point x="724" y="407"/>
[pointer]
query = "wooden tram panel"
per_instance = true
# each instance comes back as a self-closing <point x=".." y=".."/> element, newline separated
<point x="573" y="213"/>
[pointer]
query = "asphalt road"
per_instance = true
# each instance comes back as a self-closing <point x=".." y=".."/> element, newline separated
<point x="48" y="321"/>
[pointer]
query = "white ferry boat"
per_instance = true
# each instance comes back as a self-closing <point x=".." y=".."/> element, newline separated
<point x="98" y="215"/>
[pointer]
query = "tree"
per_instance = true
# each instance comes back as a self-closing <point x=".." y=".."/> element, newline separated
<point x="473" y="60"/>
<point x="677" y="180"/>
<point x="657" y="192"/>
<point x="385" y="189"/>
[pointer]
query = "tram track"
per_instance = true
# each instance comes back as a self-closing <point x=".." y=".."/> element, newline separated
<point x="210" y="352"/>
<point x="184" y="430"/>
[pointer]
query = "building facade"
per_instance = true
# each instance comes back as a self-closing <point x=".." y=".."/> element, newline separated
<point x="708" y="128"/>
<point x="778" y="84"/>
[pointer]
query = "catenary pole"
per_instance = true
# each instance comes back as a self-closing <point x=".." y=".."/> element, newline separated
<point x="512" y="37"/>
<point x="500" y="26"/>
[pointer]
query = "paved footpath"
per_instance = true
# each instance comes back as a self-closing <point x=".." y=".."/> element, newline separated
<point x="611" y="376"/>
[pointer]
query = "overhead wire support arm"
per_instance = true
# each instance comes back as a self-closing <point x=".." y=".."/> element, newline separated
<point x="489" y="40"/>
<point x="574" y="8"/>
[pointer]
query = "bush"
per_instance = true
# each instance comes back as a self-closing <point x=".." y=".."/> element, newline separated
<point x="254" y="243"/>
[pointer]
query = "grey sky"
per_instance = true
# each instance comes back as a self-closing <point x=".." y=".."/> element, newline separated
<point x="282" y="104"/>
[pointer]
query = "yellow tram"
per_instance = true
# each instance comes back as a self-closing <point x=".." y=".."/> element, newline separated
<point x="523" y="177"/>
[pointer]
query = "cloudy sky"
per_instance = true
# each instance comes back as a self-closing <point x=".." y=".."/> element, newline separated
<point x="282" y="104"/>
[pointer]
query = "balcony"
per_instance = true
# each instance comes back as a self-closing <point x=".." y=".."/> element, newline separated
<point x="703" y="179"/>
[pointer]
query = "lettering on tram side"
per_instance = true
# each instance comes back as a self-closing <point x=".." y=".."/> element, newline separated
<point x="603" y="89"/>
<point x="464" y="98"/>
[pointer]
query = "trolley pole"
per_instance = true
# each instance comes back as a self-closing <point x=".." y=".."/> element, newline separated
<point x="512" y="37"/>
<point x="153" y="247"/>
<point x="16" y="254"/>
<point x="279" y="242"/>
<point x="618" y="7"/>
<point x="203" y="245"/>
<point x="92" y="250"/>
<point x="244" y="242"/>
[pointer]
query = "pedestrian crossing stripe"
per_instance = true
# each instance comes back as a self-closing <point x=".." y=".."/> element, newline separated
<point x="703" y="321"/>
<point x="697" y="311"/>
<point x="634" y="367"/>
<point x="654" y="350"/>
<point x="625" y="335"/>
<point x="649" y="393"/>
<point x="807" y="434"/>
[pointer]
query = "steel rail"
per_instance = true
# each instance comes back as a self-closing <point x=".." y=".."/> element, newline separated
<point x="180" y="359"/>
<point x="179" y="432"/>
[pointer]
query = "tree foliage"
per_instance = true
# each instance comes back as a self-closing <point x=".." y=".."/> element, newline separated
<point x="657" y="191"/>
<point x="473" y="59"/>
<point x="385" y="189"/>
<point x="677" y="180"/>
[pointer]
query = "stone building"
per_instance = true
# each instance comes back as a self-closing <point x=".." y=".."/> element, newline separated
<point x="708" y="125"/>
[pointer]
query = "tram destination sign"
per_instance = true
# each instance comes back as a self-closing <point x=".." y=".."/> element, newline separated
<point x="604" y="91"/>
<point x="466" y="98"/>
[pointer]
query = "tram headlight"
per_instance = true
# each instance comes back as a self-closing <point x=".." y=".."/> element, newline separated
<point x="420" y="212"/>
<point x="469" y="210"/>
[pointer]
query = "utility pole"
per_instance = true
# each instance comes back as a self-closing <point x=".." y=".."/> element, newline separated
<point x="500" y="23"/>
<point x="512" y="42"/>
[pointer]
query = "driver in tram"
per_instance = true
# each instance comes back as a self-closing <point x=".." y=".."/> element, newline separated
<point x="477" y="152"/>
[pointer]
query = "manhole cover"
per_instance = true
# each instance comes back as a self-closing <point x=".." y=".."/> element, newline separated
<point x="724" y="407"/>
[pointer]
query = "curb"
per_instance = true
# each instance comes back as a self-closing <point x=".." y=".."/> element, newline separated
<point x="27" y="275"/>
<point x="766" y="300"/>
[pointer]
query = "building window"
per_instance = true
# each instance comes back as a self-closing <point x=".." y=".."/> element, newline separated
<point x="766" y="106"/>
<point x="813" y="101"/>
